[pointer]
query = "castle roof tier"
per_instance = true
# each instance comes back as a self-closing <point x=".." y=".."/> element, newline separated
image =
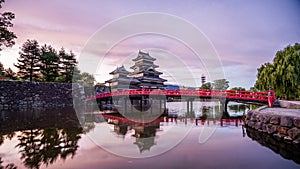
<point x="144" y="71"/>
<point x="120" y="80"/>
<point x="143" y="61"/>
<point x="144" y="56"/>
<point x="120" y="70"/>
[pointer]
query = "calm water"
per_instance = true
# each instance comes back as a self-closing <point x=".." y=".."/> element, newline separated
<point x="55" y="139"/>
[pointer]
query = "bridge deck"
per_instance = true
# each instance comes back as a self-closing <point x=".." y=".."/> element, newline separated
<point x="227" y="94"/>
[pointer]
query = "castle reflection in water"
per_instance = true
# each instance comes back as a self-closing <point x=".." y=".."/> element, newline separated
<point x="43" y="137"/>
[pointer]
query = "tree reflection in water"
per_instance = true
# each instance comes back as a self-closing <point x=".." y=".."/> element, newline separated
<point x="43" y="137"/>
<point x="47" y="145"/>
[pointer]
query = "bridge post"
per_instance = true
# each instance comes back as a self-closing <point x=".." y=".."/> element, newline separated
<point x="187" y="107"/>
<point x="125" y="105"/>
<point x="131" y="106"/>
<point x="165" y="104"/>
<point x="141" y="104"/>
<point x="224" y="105"/>
<point x="191" y="106"/>
<point x="151" y="105"/>
<point x="160" y="104"/>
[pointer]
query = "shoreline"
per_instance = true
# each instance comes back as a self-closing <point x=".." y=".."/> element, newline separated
<point x="282" y="123"/>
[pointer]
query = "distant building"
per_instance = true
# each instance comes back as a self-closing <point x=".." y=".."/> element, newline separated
<point x="203" y="79"/>
<point x="171" y="87"/>
<point x="144" y="75"/>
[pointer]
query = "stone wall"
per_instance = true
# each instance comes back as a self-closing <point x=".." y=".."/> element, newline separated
<point x="282" y="127"/>
<point x="27" y="95"/>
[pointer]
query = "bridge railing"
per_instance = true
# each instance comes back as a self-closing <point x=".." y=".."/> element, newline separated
<point x="230" y="94"/>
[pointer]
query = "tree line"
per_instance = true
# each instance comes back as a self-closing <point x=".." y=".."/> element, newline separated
<point x="39" y="63"/>
<point x="283" y="75"/>
<point x="46" y="64"/>
<point x="218" y="84"/>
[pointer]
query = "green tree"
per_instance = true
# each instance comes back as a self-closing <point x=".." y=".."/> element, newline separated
<point x="282" y="74"/>
<point x="10" y="74"/>
<point x="28" y="62"/>
<point x="87" y="79"/>
<point x="2" y="72"/>
<point x="238" y="88"/>
<point x="49" y="63"/>
<point x="68" y="63"/>
<point x="7" y="37"/>
<point x="76" y="75"/>
<point x="221" y="84"/>
<point x="207" y="85"/>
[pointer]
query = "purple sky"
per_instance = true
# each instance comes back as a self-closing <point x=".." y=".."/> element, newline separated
<point x="245" y="34"/>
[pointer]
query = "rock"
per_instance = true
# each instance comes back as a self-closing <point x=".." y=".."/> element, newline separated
<point x="271" y="128"/>
<point x="266" y="119"/>
<point x="282" y="130"/>
<point x="260" y="117"/>
<point x="276" y="103"/>
<point x="278" y="136"/>
<point x="258" y="125"/>
<point x="296" y="122"/>
<point x="296" y="141"/>
<point x="251" y="124"/>
<point x="253" y="117"/>
<point x="293" y="133"/>
<point x="288" y="139"/>
<point x="264" y="127"/>
<point x="286" y="121"/>
<point x="275" y="120"/>
<point x="249" y="114"/>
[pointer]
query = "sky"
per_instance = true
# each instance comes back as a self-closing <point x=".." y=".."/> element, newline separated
<point x="238" y="35"/>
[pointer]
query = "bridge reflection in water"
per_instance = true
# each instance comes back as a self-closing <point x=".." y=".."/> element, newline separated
<point x="144" y="131"/>
<point x="44" y="137"/>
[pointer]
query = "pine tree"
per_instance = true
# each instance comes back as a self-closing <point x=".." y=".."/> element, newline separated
<point x="7" y="37"/>
<point x="29" y="60"/>
<point x="49" y="65"/>
<point x="2" y="72"/>
<point x="10" y="74"/>
<point x="68" y="63"/>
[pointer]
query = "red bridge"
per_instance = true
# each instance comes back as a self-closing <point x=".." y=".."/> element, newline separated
<point x="229" y="95"/>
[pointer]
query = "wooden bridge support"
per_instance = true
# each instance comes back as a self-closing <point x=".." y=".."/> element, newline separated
<point x="223" y="107"/>
<point x="189" y="106"/>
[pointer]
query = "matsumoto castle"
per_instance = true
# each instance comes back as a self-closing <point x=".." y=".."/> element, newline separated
<point x="144" y="75"/>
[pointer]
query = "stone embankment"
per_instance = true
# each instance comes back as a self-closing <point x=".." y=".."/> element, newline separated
<point x="27" y="95"/>
<point x="283" y="124"/>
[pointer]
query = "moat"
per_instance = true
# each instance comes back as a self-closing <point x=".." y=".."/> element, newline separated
<point x="55" y="139"/>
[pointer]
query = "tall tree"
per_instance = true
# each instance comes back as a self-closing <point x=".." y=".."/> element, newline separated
<point x="76" y="75"/>
<point x="282" y="74"/>
<point x="10" y="74"/>
<point x="2" y="71"/>
<point x="28" y="62"/>
<point x="68" y="64"/>
<point x="221" y="84"/>
<point x="87" y="79"/>
<point x="238" y="88"/>
<point x="49" y="64"/>
<point x="207" y="85"/>
<point x="6" y="37"/>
